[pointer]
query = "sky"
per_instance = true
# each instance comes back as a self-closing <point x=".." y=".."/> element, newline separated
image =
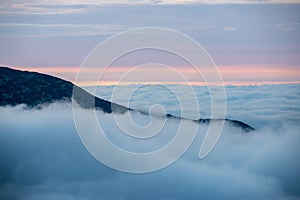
<point x="250" y="41"/>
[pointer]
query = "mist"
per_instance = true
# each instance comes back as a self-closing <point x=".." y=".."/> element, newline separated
<point x="42" y="157"/>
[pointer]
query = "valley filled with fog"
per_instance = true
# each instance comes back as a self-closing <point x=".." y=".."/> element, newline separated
<point x="42" y="156"/>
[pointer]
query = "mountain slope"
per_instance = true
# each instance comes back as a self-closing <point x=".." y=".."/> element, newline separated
<point x="34" y="89"/>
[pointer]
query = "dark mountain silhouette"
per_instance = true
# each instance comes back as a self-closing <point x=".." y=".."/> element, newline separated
<point x="35" y="89"/>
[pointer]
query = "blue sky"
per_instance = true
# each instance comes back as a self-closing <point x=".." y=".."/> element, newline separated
<point x="239" y="34"/>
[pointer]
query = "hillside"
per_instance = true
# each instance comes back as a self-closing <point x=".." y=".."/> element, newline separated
<point x="35" y="89"/>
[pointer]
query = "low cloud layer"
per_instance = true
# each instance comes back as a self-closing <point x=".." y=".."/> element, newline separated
<point x="255" y="105"/>
<point x="42" y="156"/>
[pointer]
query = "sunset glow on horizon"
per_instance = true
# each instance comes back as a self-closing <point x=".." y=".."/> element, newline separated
<point x="247" y="48"/>
<point x="232" y="75"/>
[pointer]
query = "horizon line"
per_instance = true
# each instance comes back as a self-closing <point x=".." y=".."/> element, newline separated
<point x="192" y="83"/>
<point x="113" y="82"/>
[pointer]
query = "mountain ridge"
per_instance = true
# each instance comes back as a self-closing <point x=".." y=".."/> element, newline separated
<point x="35" y="89"/>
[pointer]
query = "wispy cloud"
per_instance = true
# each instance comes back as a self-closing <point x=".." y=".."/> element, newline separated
<point x="41" y="7"/>
<point x="53" y="30"/>
<point x="228" y="1"/>
<point x="286" y="26"/>
<point x="75" y="6"/>
<point x="230" y="28"/>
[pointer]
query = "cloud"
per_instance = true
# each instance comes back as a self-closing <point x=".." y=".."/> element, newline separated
<point x="46" y="7"/>
<point x="55" y="30"/>
<point x="42" y="156"/>
<point x="265" y="46"/>
<point x="286" y="26"/>
<point x="42" y="7"/>
<point x="230" y="28"/>
<point x="256" y="105"/>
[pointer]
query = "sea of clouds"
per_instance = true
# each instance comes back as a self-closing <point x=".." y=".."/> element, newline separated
<point x="42" y="156"/>
<point x="255" y="105"/>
